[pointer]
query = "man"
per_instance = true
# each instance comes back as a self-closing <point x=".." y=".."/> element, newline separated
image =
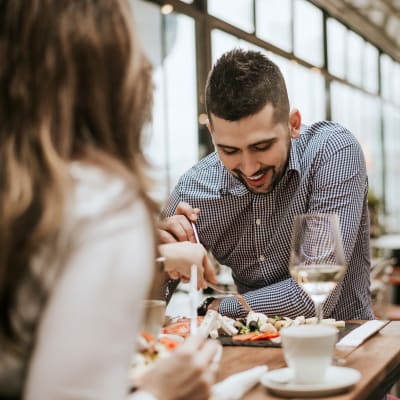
<point x="268" y="168"/>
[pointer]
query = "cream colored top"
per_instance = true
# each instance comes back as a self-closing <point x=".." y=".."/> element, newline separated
<point x="86" y="332"/>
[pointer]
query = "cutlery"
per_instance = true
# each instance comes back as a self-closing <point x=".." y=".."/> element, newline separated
<point x="238" y="297"/>
<point x="220" y="290"/>
<point x="193" y="299"/>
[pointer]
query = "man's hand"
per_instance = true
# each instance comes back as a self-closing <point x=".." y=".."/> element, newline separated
<point x="178" y="228"/>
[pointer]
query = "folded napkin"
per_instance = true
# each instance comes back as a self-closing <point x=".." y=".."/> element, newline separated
<point x="361" y="334"/>
<point x="235" y="386"/>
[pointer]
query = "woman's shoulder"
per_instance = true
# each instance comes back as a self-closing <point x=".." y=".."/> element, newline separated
<point x="97" y="191"/>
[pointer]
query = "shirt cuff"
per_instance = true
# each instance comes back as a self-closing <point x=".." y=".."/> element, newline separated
<point x="231" y="307"/>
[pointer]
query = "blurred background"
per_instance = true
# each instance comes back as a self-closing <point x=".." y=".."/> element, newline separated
<point x="340" y="59"/>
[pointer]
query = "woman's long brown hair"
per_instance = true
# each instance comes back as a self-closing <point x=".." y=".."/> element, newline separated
<point x="73" y="82"/>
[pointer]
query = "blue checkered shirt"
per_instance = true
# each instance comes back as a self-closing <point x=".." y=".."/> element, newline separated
<point x="251" y="233"/>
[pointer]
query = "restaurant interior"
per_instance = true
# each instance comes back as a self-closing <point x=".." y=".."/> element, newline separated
<point x="278" y="280"/>
<point x="341" y="62"/>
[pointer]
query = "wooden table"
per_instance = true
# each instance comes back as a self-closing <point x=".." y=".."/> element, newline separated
<point x="378" y="360"/>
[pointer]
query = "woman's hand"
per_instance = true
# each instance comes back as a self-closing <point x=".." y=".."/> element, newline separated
<point x="180" y="256"/>
<point x="187" y="374"/>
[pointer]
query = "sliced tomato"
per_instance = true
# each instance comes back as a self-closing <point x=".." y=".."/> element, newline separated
<point x="169" y="343"/>
<point x="148" y="337"/>
<point x="181" y="327"/>
<point x="253" y="336"/>
<point x="244" y="338"/>
<point x="265" y="336"/>
<point x="178" y="328"/>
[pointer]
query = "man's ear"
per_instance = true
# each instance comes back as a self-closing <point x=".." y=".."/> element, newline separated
<point x="210" y="130"/>
<point x="294" y="123"/>
<point x="209" y="127"/>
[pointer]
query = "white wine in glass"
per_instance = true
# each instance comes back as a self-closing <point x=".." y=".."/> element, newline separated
<point x="317" y="261"/>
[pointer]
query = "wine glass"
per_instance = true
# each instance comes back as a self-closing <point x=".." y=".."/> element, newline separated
<point x="317" y="261"/>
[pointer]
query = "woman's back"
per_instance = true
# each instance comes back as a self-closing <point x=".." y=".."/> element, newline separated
<point x="90" y="296"/>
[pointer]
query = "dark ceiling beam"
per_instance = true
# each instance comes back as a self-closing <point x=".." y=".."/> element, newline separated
<point x="393" y="10"/>
<point x="350" y="17"/>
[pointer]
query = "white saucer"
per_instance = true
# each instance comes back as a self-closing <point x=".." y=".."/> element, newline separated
<point x="338" y="379"/>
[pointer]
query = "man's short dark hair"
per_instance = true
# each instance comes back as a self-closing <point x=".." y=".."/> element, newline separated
<point x="241" y="83"/>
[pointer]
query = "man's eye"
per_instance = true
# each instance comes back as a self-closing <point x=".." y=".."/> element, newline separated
<point x="262" y="147"/>
<point x="229" y="151"/>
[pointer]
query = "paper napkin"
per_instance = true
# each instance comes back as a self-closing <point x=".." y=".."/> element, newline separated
<point x="361" y="334"/>
<point x="235" y="386"/>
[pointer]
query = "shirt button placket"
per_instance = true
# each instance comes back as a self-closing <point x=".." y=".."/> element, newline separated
<point x="258" y="224"/>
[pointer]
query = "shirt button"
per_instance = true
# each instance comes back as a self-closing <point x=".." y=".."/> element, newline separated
<point x="258" y="221"/>
<point x="262" y="258"/>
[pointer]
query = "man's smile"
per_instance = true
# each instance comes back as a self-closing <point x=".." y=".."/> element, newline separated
<point x="258" y="179"/>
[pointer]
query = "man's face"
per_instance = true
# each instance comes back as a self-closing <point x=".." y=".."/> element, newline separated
<point x="254" y="149"/>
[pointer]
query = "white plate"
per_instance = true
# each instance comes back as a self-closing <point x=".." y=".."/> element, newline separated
<point x="338" y="379"/>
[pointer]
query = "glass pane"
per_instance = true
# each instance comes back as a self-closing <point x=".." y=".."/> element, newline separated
<point x="391" y="118"/>
<point x="370" y="139"/>
<point x="387" y="69"/>
<point x="346" y="107"/>
<point x="371" y="57"/>
<point x="307" y="93"/>
<point x="148" y="25"/>
<point x="273" y="22"/>
<point x="222" y="42"/>
<point x="172" y="139"/>
<point x="306" y="89"/>
<point x="181" y="95"/>
<point x="308" y="32"/>
<point x="354" y="58"/>
<point x="340" y="95"/>
<point x="238" y="13"/>
<point x="396" y="85"/>
<point x="336" y="33"/>
<point x="360" y="113"/>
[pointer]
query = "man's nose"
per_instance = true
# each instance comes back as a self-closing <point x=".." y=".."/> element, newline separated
<point x="249" y="164"/>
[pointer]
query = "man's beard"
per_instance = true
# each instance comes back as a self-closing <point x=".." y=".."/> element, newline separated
<point x="275" y="178"/>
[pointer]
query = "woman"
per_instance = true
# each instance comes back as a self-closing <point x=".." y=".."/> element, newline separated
<point x="76" y="223"/>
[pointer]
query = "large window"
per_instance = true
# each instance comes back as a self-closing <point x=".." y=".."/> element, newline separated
<point x="172" y="144"/>
<point x="355" y="47"/>
<point x="274" y="22"/>
<point x="308" y="43"/>
<point x="361" y="115"/>
<point x="387" y="72"/>
<point x="371" y="76"/>
<point x="238" y="12"/>
<point x="359" y="81"/>
<point x="336" y="33"/>
<point x="306" y="89"/>
<point x="392" y="152"/>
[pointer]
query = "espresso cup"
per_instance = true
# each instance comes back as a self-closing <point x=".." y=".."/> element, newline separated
<point x="308" y="351"/>
<point x="154" y="316"/>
